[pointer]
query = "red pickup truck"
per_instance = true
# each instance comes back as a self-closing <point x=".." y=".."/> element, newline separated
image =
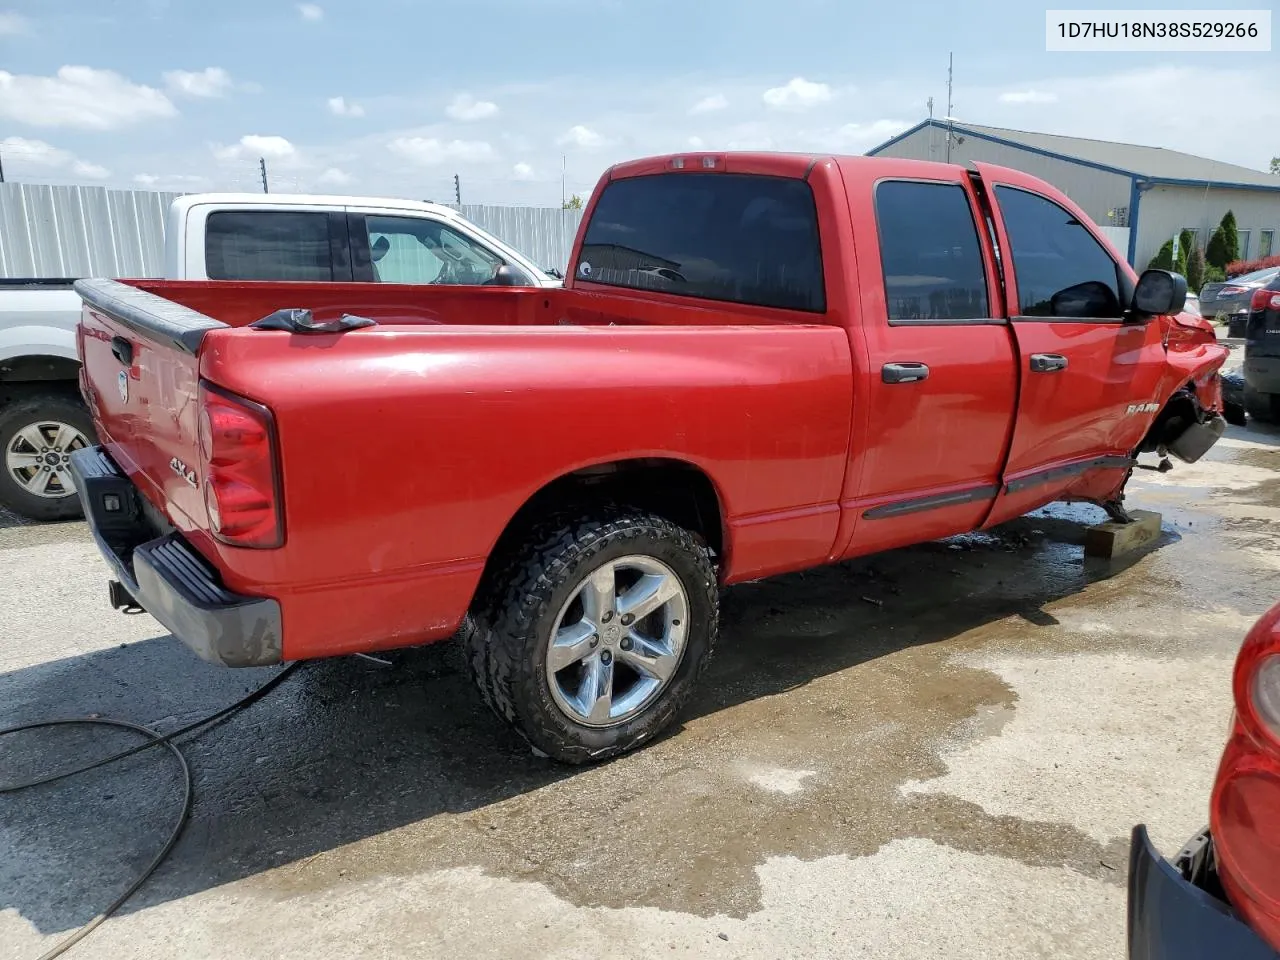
<point x="759" y="363"/>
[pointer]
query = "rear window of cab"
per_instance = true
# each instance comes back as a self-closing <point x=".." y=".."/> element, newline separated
<point x="739" y="238"/>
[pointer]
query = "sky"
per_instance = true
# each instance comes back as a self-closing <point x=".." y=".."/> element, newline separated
<point x="395" y="97"/>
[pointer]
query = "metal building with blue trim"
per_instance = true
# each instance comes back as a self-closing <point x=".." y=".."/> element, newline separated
<point x="1142" y="196"/>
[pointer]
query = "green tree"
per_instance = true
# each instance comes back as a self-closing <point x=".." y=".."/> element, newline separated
<point x="1215" y="254"/>
<point x="1195" y="270"/>
<point x="1186" y="243"/>
<point x="1275" y="165"/>
<point x="1230" y="236"/>
<point x="573" y="203"/>
<point x="1164" y="259"/>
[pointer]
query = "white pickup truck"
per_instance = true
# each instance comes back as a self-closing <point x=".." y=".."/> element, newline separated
<point x="218" y="237"/>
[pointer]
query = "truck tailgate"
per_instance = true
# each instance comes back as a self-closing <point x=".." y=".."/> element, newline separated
<point x="141" y="378"/>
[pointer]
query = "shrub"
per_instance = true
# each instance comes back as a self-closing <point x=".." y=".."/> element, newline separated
<point x="1186" y="243"/>
<point x="1238" y="267"/>
<point x="1213" y="274"/>
<point x="1215" y="254"/>
<point x="1195" y="270"/>
<point x="1230" y="237"/>
<point x="1164" y="259"/>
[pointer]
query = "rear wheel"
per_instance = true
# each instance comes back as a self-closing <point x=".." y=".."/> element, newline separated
<point x="590" y="641"/>
<point x="38" y="434"/>
<point x="1264" y="407"/>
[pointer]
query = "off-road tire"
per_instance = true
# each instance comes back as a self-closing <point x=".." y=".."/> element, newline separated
<point x="19" y="414"/>
<point x="1263" y="407"/>
<point x="506" y="635"/>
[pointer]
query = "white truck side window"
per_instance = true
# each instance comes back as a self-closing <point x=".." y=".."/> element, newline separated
<point x="267" y="245"/>
<point x="421" y="250"/>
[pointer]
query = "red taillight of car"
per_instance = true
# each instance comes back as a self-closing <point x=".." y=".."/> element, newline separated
<point x="1262" y="299"/>
<point x="238" y="449"/>
<point x="1245" y="811"/>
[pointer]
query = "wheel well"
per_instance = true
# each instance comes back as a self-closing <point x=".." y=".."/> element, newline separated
<point x="673" y="489"/>
<point x="1181" y="409"/>
<point x="21" y="377"/>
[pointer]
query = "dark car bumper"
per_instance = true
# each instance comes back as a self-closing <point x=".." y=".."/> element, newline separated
<point x="1171" y="918"/>
<point x="169" y="579"/>
<point x="1262" y="373"/>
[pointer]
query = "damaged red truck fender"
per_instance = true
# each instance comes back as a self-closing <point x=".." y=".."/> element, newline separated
<point x="759" y="363"/>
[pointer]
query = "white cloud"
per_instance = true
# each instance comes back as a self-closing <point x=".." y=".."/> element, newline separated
<point x="797" y="94"/>
<point x="80" y="97"/>
<point x="522" y="171"/>
<point x="341" y="107"/>
<point x="311" y="12"/>
<point x="176" y="181"/>
<point x="429" y="151"/>
<point x="253" y="145"/>
<point x="863" y="136"/>
<point x="580" y="136"/>
<point x="334" y="177"/>
<point x="465" y="107"/>
<point x="209" y="82"/>
<point x="38" y="156"/>
<point x="697" y="143"/>
<point x="13" y="24"/>
<point x="1028" y="96"/>
<point x="717" y="101"/>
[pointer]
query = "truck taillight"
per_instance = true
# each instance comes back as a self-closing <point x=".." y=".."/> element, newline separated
<point x="238" y="449"/>
<point x="1245" y="811"/>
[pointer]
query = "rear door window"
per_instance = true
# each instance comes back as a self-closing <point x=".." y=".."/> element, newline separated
<point x="267" y="245"/>
<point x="716" y="236"/>
<point x="1062" y="270"/>
<point x="930" y="252"/>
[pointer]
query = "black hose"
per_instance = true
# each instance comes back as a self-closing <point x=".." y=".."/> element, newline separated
<point x="154" y="739"/>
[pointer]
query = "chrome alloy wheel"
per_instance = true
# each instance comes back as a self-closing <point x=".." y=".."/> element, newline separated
<point x="617" y="641"/>
<point x="38" y="458"/>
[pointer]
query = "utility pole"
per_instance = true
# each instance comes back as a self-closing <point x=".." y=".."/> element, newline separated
<point x="457" y="190"/>
<point x="563" y="162"/>
<point x="1" y="169"/>
<point x="929" y="103"/>
<point x="262" y="164"/>
<point x="950" y="122"/>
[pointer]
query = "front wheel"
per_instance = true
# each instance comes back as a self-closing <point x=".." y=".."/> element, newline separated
<point x="591" y="640"/>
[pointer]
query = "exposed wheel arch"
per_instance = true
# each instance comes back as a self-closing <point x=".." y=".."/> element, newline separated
<point x="667" y="487"/>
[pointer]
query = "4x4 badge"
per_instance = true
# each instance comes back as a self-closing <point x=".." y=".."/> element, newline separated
<point x="185" y="472"/>
<point x="122" y="380"/>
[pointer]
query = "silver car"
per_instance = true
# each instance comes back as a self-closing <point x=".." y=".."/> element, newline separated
<point x="1232" y="298"/>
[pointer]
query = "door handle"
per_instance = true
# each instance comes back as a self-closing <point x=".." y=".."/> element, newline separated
<point x="1047" y="363"/>
<point x="122" y="350"/>
<point x="904" y="372"/>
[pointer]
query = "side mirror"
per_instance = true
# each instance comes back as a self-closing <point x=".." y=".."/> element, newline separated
<point x="1159" y="292"/>
<point x="509" y="276"/>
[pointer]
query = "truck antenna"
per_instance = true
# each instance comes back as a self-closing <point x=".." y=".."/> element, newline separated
<point x="950" y="113"/>
<point x="457" y="190"/>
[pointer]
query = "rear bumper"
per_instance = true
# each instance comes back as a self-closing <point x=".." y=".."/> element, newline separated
<point x="1262" y="374"/>
<point x="1170" y="918"/>
<point x="169" y="579"/>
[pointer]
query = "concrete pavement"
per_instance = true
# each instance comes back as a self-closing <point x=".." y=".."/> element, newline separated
<point x="953" y="770"/>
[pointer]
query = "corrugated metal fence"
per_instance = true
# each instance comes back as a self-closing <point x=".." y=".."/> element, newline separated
<point x="56" y="231"/>
<point x="544" y="235"/>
